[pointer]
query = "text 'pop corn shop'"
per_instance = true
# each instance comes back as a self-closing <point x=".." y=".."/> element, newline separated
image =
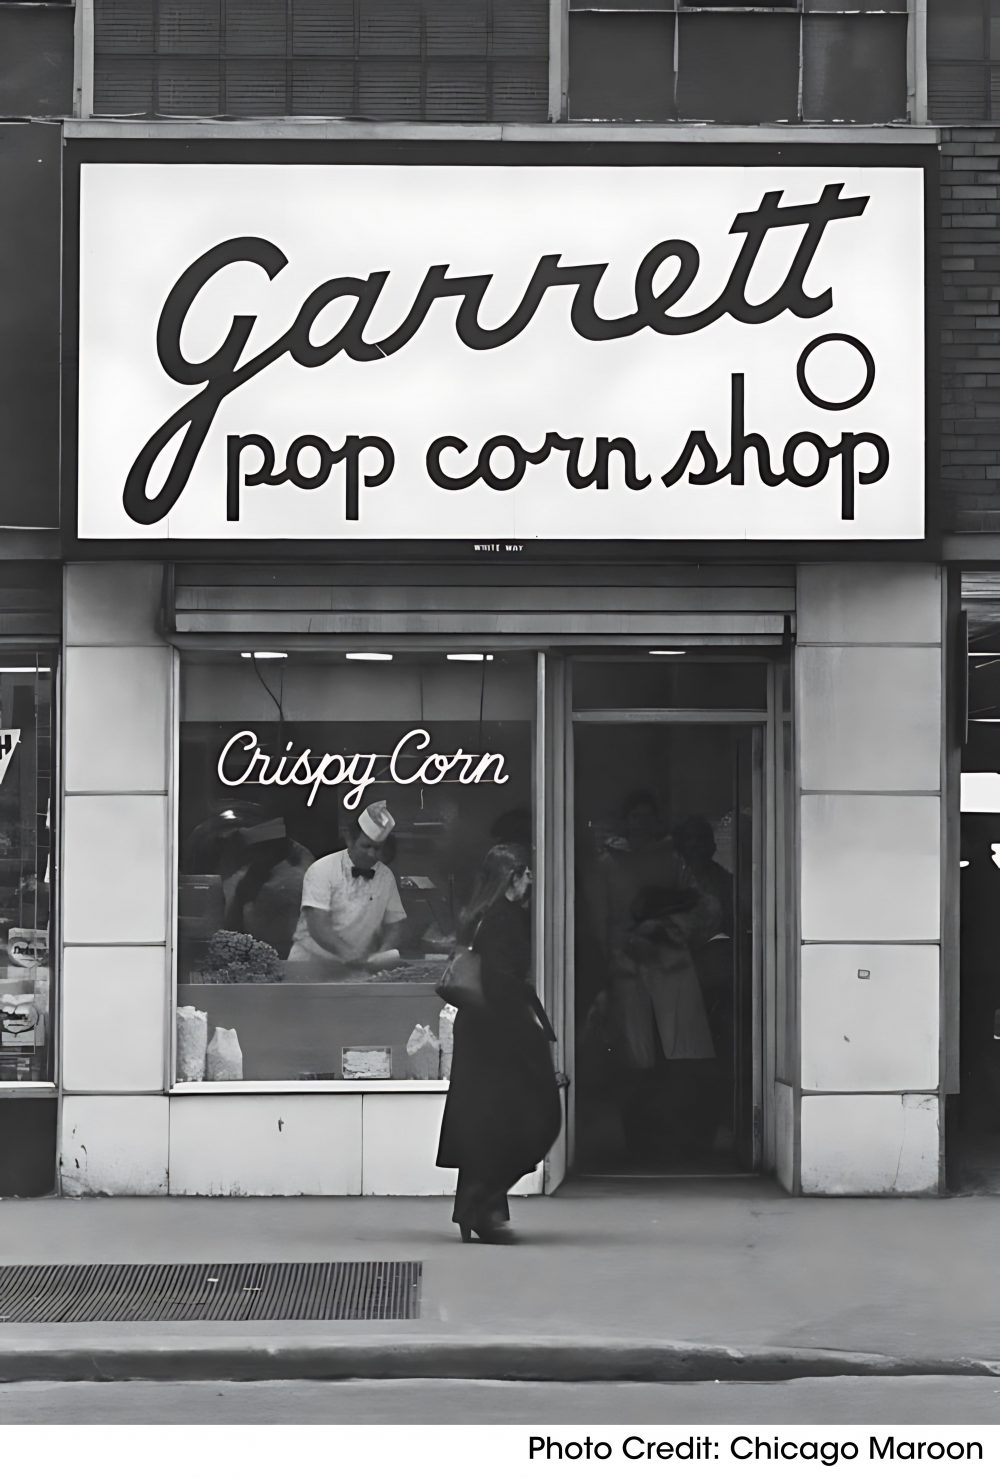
<point x="446" y="495"/>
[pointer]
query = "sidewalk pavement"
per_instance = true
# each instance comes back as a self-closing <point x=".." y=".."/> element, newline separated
<point x="626" y="1280"/>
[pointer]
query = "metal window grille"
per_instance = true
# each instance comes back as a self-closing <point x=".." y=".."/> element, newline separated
<point x="418" y="60"/>
<point x="963" y="60"/>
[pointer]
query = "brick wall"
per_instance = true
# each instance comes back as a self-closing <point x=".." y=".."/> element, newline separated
<point x="969" y="244"/>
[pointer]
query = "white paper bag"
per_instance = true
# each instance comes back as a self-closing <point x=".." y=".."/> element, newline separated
<point x="446" y="1032"/>
<point x="192" y="1043"/>
<point x="423" y="1051"/>
<point x="224" y="1059"/>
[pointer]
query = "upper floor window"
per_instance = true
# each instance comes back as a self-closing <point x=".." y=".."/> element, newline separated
<point x="433" y="60"/>
<point x="963" y="60"/>
<point x="727" y="61"/>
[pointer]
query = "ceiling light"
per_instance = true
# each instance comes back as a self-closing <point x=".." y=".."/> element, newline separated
<point x="368" y="656"/>
<point x="265" y="656"/>
<point x="470" y="656"/>
<point x="25" y="670"/>
<point x="668" y="652"/>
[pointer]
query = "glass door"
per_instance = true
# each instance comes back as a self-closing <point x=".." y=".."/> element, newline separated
<point x="667" y="830"/>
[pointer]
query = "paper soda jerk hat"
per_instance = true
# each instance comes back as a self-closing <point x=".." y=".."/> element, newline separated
<point x="375" y="821"/>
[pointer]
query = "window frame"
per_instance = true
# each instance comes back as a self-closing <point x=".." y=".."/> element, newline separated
<point x="49" y="650"/>
<point x="559" y="17"/>
<point x="540" y="922"/>
<point x="915" y="12"/>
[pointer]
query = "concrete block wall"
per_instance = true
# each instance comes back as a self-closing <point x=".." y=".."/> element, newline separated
<point x="968" y="241"/>
<point x="116" y="819"/>
<point x="868" y="685"/>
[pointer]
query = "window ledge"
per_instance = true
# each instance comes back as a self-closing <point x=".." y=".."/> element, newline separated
<point x="292" y="130"/>
<point x="318" y="1086"/>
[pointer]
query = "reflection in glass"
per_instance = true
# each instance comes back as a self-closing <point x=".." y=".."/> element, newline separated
<point x="26" y="760"/>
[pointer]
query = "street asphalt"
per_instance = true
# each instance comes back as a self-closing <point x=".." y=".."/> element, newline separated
<point x="873" y="1401"/>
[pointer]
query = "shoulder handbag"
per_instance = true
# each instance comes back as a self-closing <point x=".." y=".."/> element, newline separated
<point x="462" y="982"/>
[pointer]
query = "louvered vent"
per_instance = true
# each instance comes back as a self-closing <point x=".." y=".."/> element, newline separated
<point x="473" y="61"/>
<point x="69" y="1294"/>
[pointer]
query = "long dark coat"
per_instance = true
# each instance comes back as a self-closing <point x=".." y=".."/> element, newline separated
<point x="503" y="1110"/>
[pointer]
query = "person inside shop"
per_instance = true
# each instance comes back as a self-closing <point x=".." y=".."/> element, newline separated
<point x="260" y="869"/>
<point x="714" y="959"/>
<point x="694" y="839"/>
<point x="643" y="858"/>
<point x="351" y="911"/>
<point x="980" y="990"/>
<point x="666" y="1018"/>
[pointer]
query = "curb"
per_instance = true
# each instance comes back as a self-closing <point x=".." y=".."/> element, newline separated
<point x="256" y="1358"/>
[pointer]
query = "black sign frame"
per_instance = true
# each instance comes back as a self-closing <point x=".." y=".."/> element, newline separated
<point x="481" y="153"/>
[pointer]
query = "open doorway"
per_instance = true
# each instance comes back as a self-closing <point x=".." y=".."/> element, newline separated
<point x="973" y="1126"/>
<point x="975" y="1142"/>
<point x="667" y="811"/>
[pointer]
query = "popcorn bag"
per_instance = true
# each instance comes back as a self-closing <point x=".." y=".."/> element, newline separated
<point x="192" y="1044"/>
<point x="224" y="1059"/>
<point x="446" y="1034"/>
<point x="424" y="1052"/>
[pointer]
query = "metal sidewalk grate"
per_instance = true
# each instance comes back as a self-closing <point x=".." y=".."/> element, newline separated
<point x="64" y="1294"/>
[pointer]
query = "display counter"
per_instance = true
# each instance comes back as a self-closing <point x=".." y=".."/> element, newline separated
<point x="350" y="1029"/>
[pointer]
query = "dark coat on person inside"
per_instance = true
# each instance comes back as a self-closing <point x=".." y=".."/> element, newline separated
<point x="503" y="1109"/>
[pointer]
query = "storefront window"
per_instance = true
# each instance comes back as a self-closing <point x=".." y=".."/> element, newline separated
<point x="300" y="776"/>
<point x="26" y="760"/>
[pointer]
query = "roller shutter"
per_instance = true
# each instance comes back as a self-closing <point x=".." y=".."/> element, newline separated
<point x="30" y="600"/>
<point x="635" y="603"/>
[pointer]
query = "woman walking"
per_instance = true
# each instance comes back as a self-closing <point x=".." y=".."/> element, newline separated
<point x="503" y="1110"/>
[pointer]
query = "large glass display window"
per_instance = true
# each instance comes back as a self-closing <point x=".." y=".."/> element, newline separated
<point x="333" y="813"/>
<point x="26" y="788"/>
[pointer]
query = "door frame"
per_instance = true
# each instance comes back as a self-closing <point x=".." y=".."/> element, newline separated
<point x="555" y="892"/>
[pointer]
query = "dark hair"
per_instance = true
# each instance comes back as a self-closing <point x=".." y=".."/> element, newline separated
<point x="501" y="865"/>
<point x="635" y="799"/>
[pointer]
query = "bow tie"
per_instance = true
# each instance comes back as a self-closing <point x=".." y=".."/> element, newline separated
<point x="363" y="873"/>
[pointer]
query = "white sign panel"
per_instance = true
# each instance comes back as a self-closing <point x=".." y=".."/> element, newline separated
<point x="493" y="353"/>
<point x="9" y="741"/>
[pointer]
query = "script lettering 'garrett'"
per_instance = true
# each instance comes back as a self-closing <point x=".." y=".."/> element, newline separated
<point x="222" y="373"/>
<point x="358" y="772"/>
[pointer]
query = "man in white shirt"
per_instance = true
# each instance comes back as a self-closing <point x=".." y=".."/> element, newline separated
<point x="350" y="905"/>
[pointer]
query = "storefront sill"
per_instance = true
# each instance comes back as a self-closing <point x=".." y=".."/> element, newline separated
<point x="28" y="1090"/>
<point x="325" y="1086"/>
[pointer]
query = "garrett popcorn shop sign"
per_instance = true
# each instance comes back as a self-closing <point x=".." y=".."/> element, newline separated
<point x="562" y="352"/>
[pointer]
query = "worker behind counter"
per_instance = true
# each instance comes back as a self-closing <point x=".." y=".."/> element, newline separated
<point x="351" y="907"/>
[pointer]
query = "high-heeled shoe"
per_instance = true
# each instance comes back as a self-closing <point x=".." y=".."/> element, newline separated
<point x="488" y="1233"/>
<point x="495" y="1232"/>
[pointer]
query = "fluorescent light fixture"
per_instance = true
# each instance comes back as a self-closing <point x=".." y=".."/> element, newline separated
<point x="368" y="656"/>
<point x="470" y="656"/>
<point x="265" y="656"/>
<point x="25" y="670"/>
<point x="668" y="652"/>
